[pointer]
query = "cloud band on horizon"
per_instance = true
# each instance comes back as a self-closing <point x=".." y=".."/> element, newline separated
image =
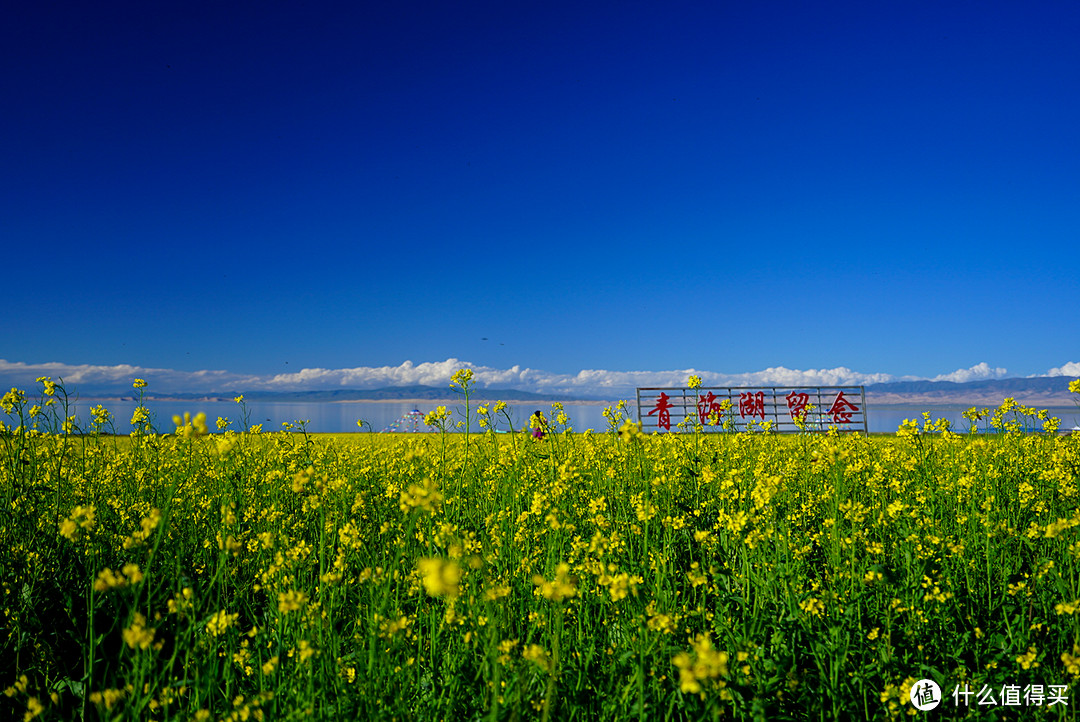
<point x="88" y="379"/>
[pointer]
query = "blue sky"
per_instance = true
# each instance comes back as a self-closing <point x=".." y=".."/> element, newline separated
<point x="229" y="193"/>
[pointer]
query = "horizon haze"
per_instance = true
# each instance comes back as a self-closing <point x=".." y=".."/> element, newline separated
<point x="105" y="382"/>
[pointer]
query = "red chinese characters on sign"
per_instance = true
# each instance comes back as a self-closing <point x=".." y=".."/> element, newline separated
<point x="841" y="410"/>
<point x="663" y="409"/>
<point x="713" y="406"/>
<point x="708" y="408"/>
<point x="797" y="401"/>
<point x="751" y="404"/>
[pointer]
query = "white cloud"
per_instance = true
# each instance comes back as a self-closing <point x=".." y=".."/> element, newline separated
<point x="365" y="377"/>
<point x="978" y="372"/>
<point x="1070" y="369"/>
<point x="101" y="380"/>
<point x="94" y="379"/>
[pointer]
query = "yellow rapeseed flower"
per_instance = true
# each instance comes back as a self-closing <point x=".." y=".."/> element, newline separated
<point x="68" y="528"/>
<point x="537" y="655"/>
<point x="220" y="623"/>
<point x="812" y="606"/>
<point x="560" y="588"/>
<point x="108" y="579"/>
<point x="434" y="418"/>
<point x="270" y="665"/>
<point x="133" y="573"/>
<point x="11" y="399"/>
<point x="440" y="577"/>
<point x="461" y="378"/>
<point x="182" y="601"/>
<point x="34" y="707"/>
<point x="99" y="415"/>
<point x="705" y="665"/>
<point x="140" y="415"/>
<point x="138" y="635"/>
<point x="425" y="497"/>
<point x="630" y="431"/>
<point x="108" y="697"/>
<point x="1067" y="607"/>
<point x="620" y="585"/>
<point x="1027" y="661"/>
<point x="303" y="650"/>
<point x="81" y="517"/>
<point x="291" y="600"/>
<point x="19" y="687"/>
<point x="1072" y="661"/>
<point x="189" y="426"/>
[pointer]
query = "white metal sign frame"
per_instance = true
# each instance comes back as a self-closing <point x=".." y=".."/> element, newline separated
<point x="733" y="408"/>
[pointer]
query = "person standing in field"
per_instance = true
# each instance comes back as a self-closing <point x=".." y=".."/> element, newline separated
<point x="536" y="423"/>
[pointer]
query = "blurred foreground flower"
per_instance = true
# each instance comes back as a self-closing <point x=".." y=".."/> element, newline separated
<point x="630" y="431"/>
<point x="189" y="427"/>
<point x="560" y="588"/>
<point x="441" y="577"/>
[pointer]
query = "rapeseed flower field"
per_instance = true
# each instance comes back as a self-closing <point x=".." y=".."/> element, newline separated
<point x="245" y="575"/>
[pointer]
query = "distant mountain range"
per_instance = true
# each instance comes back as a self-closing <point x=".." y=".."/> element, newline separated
<point x="1040" y="391"/>
<point x="390" y="393"/>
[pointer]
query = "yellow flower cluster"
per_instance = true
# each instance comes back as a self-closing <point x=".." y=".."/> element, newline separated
<point x="440" y="577"/>
<point x="291" y="601"/>
<point x="11" y="399"/>
<point x="108" y="698"/>
<point x="703" y="668"/>
<point x="221" y="622"/>
<point x="423" y="497"/>
<point x="461" y="379"/>
<point x="560" y="588"/>
<point x="436" y="417"/>
<point x="108" y="579"/>
<point x="81" y="517"/>
<point x="147" y="525"/>
<point x="137" y="635"/>
<point x="188" y="427"/>
<point x="631" y="431"/>
<point x="537" y="655"/>
<point x="1028" y="659"/>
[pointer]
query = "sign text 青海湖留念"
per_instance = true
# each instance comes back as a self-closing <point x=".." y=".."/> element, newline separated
<point x="785" y="409"/>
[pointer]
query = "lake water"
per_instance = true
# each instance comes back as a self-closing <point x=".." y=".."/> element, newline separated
<point x="327" y="417"/>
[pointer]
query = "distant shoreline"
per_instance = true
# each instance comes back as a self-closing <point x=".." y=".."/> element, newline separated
<point x="458" y="400"/>
<point x="890" y="399"/>
<point x="1054" y="401"/>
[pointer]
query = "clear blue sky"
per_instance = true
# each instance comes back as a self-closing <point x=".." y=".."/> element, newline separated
<point x="264" y="187"/>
